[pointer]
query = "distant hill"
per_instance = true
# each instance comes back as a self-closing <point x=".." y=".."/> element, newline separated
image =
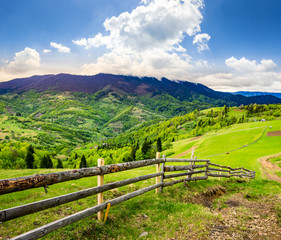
<point x="254" y="94"/>
<point x="181" y="90"/>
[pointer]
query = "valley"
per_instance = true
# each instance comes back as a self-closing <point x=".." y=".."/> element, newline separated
<point x="122" y="127"/>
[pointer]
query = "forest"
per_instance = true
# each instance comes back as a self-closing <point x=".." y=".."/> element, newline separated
<point x="50" y="141"/>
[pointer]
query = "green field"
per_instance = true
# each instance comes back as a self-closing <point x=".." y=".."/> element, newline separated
<point x="234" y="146"/>
<point x="177" y="213"/>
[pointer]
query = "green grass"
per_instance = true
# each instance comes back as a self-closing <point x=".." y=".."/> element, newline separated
<point x="222" y="146"/>
<point x="163" y="215"/>
<point x="276" y="161"/>
<point x="159" y="208"/>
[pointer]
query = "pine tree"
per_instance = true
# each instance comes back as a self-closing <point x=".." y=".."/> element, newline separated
<point x="31" y="149"/>
<point x="49" y="162"/>
<point x="159" y="145"/>
<point x="43" y="162"/>
<point x="145" y="147"/>
<point x="59" y="165"/>
<point x="134" y="149"/>
<point x="29" y="159"/>
<point x="83" y="163"/>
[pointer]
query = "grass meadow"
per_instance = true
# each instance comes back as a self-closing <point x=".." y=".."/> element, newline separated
<point x="176" y="212"/>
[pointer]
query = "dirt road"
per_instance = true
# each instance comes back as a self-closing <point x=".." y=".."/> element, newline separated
<point x="268" y="168"/>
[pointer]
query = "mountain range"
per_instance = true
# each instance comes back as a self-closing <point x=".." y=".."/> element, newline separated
<point x="138" y="86"/>
<point x="253" y="94"/>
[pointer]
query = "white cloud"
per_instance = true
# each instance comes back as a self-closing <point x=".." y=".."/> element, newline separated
<point x="201" y="40"/>
<point x="257" y="81"/>
<point x="159" y="23"/>
<point x="248" y="76"/>
<point x="60" y="47"/>
<point x="245" y="65"/>
<point x="4" y="61"/>
<point x="23" y="64"/>
<point x="147" y="41"/>
<point x="158" y="65"/>
<point x="24" y="61"/>
<point x="201" y="63"/>
<point x="47" y="51"/>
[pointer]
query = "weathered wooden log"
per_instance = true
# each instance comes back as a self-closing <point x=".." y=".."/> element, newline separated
<point x="245" y="169"/>
<point x="186" y="160"/>
<point x="163" y="171"/>
<point x="239" y="175"/>
<point x="218" y="170"/>
<point x="232" y="169"/>
<point x="44" y="230"/>
<point x="157" y="171"/>
<point x="15" y="212"/>
<point x="235" y="169"/>
<point x="218" y="175"/>
<point x="217" y="165"/>
<point x="41" y="180"/>
<point x="182" y="168"/>
<point x="207" y="169"/>
<point x="166" y="184"/>
<point x="183" y="174"/>
<point x="234" y="172"/>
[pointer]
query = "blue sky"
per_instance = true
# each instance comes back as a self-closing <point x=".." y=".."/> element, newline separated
<point x="227" y="45"/>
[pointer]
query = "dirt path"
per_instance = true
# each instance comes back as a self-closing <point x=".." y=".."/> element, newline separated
<point x="186" y="152"/>
<point x="268" y="168"/>
<point x="238" y="216"/>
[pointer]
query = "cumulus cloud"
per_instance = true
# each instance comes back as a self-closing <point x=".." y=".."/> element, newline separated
<point x="24" y="61"/>
<point x="23" y="64"/>
<point x="147" y="41"/>
<point x="247" y="75"/>
<point x="47" y="51"/>
<point x="245" y="65"/>
<point x="60" y="47"/>
<point x="257" y="81"/>
<point x="158" y="65"/>
<point x="201" y="40"/>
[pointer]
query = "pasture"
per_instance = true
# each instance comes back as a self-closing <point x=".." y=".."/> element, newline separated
<point x="182" y="211"/>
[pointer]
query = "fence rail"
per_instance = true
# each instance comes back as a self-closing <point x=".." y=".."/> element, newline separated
<point x="42" y="180"/>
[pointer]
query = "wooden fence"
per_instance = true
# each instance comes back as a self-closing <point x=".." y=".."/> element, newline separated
<point x="202" y="168"/>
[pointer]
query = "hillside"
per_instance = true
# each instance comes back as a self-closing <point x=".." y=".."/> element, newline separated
<point x="181" y="90"/>
<point x="213" y="209"/>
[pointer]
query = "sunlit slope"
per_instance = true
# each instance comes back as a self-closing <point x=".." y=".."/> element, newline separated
<point x="236" y="146"/>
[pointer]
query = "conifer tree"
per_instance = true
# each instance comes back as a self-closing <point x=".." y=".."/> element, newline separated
<point x="159" y="145"/>
<point x="145" y="146"/>
<point x="83" y="163"/>
<point x="46" y="162"/>
<point x="134" y="149"/>
<point x="29" y="159"/>
<point x="31" y="149"/>
<point x="49" y="162"/>
<point x="43" y="162"/>
<point x="59" y="165"/>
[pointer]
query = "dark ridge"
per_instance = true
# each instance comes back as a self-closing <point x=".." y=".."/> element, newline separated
<point x="181" y="90"/>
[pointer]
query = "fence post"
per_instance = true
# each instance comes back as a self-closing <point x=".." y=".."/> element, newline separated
<point x="157" y="171"/>
<point x="191" y="164"/>
<point x="163" y="171"/>
<point x="207" y="168"/>
<point x="220" y="173"/>
<point x="100" y="183"/>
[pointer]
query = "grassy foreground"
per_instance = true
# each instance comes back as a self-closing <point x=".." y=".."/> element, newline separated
<point x="227" y="208"/>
